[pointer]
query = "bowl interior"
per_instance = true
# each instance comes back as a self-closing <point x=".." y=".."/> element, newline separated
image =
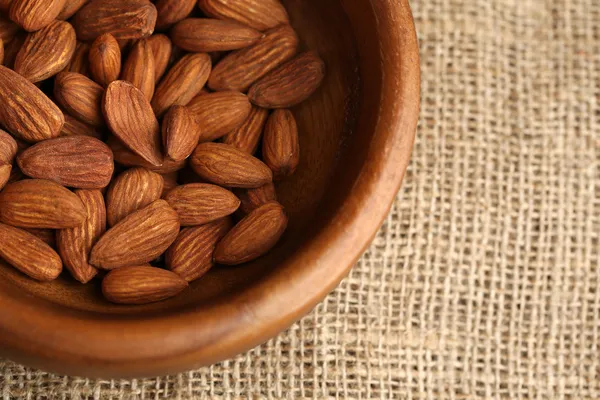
<point x="333" y="146"/>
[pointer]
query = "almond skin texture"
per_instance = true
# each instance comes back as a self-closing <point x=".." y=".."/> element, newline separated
<point x="247" y="136"/>
<point x="139" y="68"/>
<point x="259" y="14"/>
<point x="141" y="285"/>
<point x="105" y="59"/>
<point x="240" y="69"/>
<point x="73" y="127"/>
<point x="70" y="8"/>
<point x="253" y="236"/>
<point x="219" y="113"/>
<point x="80" y="96"/>
<point x="191" y="255"/>
<point x="76" y="161"/>
<point x="180" y="133"/>
<point x="1" y="51"/>
<point x="170" y="182"/>
<point x="183" y="81"/>
<point x="12" y="48"/>
<point x="8" y="148"/>
<point x="204" y="35"/>
<point x="289" y="84"/>
<point x="34" y="15"/>
<point x="47" y="236"/>
<point x="138" y="238"/>
<point x="172" y="11"/>
<point x="200" y="203"/>
<point x="31" y="116"/>
<point x="161" y="50"/>
<point x="227" y="166"/>
<point x="129" y="116"/>
<point x="39" y="203"/>
<point x="74" y="244"/>
<point x="131" y="19"/>
<point x="5" y="174"/>
<point x="281" y="150"/>
<point x="133" y="189"/>
<point x="251" y="199"/>
<point x="46" y="52"/>
<point x="29" y="254"/>
<point x="80" y="62"/>
<point x="127" y="158"/>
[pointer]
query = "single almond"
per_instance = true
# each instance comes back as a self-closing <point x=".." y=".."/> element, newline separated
<point x="253" y="236"/>
<point x="74" y="244"/>
<point x="180" y="133"/>
<point x="80" y="162"/>
<point x="133" y="189"/>
<point x="30" y="115"/>
<point x="170" y="182"/>
<point x="80" y="60"/>
<point x="191" y="254"/>
<point x="80" y="96"/>
<point x="200" y="203"/>
<point x="34" y="15"/>
<point x="289" y="84"/>
<point x="138" y="238"/>
<point x="70" y="8"/>
<point x="74" y="127"/>
<point x="247" y="136"/>
<point x="251" y="199"/>
<point x="281" y="150"/>
<point x="29" y="254"/>
<point x="219" y="113"/>
<point x="259" y="14"/>
<point x="161" y="50"/>
<point x="130" y="117"/>
<point x="105" y="59"/>
<point x="227" y="166"/>
<point x="131" y="19"/>
<point x="8" y="148"/>
<point x="172" y="11"/>
<point x="241" y="68"/>
<point x="183" y="81"/>
<point x="204" y="35"/>
<point x="46" y="52"/>
<point x="127" y="158"/>
<point x="47" y="236"/>
<point x="5" y="174"/>
<point x="141" y="285"/>
<point x="8" y="29"/>
<point x="138" y="68"/>
<point x="39" y="203"/>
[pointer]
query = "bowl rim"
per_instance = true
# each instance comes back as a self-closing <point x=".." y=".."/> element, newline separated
<point x="166" y="344"/>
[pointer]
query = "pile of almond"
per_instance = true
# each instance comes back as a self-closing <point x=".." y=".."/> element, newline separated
<point x="148" y="155"/>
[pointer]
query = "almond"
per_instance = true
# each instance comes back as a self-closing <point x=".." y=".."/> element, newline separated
<point x="131" y="19"/>
<point x="161" y="50"/>
<point x="172" y="11"/>
<point x="227" y="166"/>
<point x="180" y="133"/>
<point x="80" y="96"/>
<point x="191" y="255"/>
<point x="5" y="174"/>
<point x="200" y="203"/>
<point x="1" y="51"/>
<point x="34" y="15"/>
<point x="138" y="238"/>
<point x="105" y="59"/>
<point x="46" y="52"/>
<point x="30" y="116"/>
<point x="253" y="236"/>
<point x="281" y="150"/>
<point x="8" y="148"/>
<point x="12" y="48"/>
<point x="76" y="161"/>
<point x="47" y="236"/>
<point x="70" y="8"/>
<point x="183" y="81"/>
<point x="127" y="158"/>
<point x="130" y="117"/>
<point x="289" y="84"/>
<point x="170" y="182"/>
<point x="73" y="127"/>
<point x="39" y="203"/>
<point x="8" y="29"/>
<point x="141" y="285"/>
<point x="259" y="14"/>
<point x="205" y="35"/>
<point x="247" y="136"/>
<point x="251" y="199"/>
<point x="133" y="189"/>
<point x="29" y="254"/>
<point x="74" y="244"/>
<point x="219" y="113"/>
<point x="80" y="60"/>
<point x="240" y="69"/>
<point x="139" y="68"/>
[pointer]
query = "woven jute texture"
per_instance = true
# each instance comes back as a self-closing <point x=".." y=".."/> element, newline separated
<point x="484" y="282"/>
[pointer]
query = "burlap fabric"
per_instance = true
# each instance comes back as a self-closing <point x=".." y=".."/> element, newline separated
<point x="484" y="281"/>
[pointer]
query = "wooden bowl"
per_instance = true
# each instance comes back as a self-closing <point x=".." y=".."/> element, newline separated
<point x="356" y="135"/>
